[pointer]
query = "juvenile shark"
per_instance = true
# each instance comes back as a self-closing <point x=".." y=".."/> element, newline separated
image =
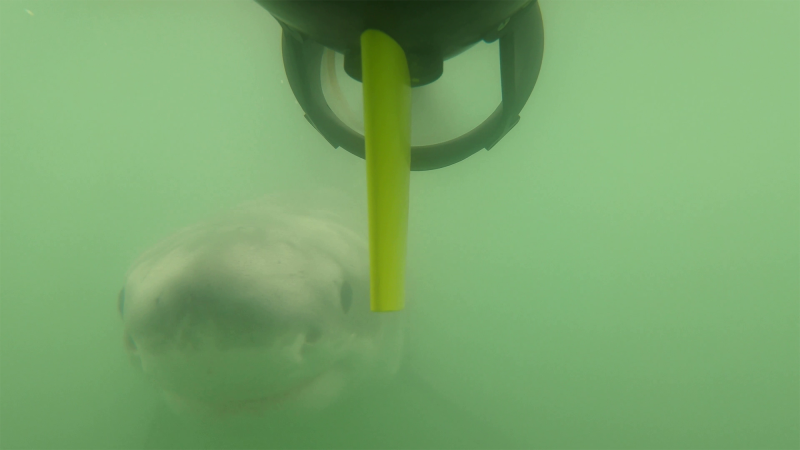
<point x="264" y="308"/>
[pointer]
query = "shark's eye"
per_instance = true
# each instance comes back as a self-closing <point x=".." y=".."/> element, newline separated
<point x="121" y="301"/>
<point x="346" y="296"/>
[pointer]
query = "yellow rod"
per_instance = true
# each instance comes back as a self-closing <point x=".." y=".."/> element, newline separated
<point x="387" y="131"/>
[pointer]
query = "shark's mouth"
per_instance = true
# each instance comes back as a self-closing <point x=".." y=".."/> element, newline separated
<point x="290" y="371"/>
<point x="253" y="406"/>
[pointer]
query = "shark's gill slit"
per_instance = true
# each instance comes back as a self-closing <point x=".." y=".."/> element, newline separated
<point x="129" y="343"/>
<point x="346" y="296"/>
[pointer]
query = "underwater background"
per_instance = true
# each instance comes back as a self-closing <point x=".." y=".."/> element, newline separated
<point x="621" y="271"/>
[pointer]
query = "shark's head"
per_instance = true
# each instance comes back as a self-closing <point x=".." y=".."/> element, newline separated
<point x="264" y="308"/>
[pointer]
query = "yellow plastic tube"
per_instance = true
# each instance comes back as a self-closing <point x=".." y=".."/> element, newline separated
<point x="387" y="131"/>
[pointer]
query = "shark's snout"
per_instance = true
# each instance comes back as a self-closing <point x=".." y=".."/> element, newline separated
<point x="233" y="295"/>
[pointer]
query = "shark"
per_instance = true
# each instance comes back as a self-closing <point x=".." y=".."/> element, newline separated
<point x="254" y="325"/>
<point x="262" y="308"/>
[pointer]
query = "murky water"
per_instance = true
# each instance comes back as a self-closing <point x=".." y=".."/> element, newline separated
<point x="621" y="271"/>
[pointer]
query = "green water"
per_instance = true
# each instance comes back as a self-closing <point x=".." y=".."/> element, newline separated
<point x="621" y="271"/>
